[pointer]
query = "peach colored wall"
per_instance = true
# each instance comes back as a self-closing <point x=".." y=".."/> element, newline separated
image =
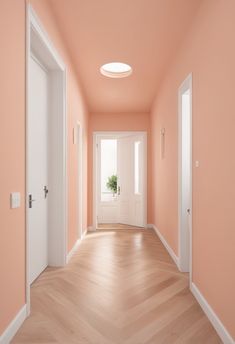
<point x="112" y="122"/>
<point x="208" y="51"/>
<point x="76" y="111"/>
<point x="12" y="153"/>
<point x="12" y="157"/>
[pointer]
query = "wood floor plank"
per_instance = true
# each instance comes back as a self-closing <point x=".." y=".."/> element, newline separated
<point x="120" y="287"/>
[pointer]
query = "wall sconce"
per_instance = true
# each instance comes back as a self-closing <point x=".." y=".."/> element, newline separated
<point x="163" y="143"/>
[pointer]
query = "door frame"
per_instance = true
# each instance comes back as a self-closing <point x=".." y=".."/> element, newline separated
<point x="111" y="134"/>
<point x="39" y="43"/>
<point x="183" y="260"/>
<point x="78" y="133"/>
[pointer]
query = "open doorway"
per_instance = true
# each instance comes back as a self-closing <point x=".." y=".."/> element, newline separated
<point x="185" y="175"/>
<point x="120" y="179"/>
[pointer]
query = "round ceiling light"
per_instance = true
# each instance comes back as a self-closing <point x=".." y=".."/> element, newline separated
<point x="116" y="70"/>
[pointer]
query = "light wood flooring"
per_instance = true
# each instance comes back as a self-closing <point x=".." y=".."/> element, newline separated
<point x="120" y="287"/>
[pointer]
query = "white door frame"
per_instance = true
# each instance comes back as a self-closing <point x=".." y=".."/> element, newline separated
<point x="111" y="134"/>
<point x="38" y="43"/>
<point x="78" y="141"/>
<point x="184" y="261"/>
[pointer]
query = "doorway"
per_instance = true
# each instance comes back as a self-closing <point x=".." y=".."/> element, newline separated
<point x="78" y="142"/>
<point x="46" y="181"/>
<point x="185" y="175"/>
<point x="120" y="178"/>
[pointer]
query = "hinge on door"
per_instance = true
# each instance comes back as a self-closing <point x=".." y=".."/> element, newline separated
<point x="97" y="145"/>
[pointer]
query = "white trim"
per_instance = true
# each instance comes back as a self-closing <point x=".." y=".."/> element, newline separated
<point x="214" y="319"/>
<point x="145" y="178"/>
<point x="36" y="33"/>
<point x="185" y="261"/>
<point x="79" y="143"/>
<point x="32" y="55"/>
<point x="165" y="244"/>
<point x="14" y="326"/>
<point x="94" y="203"/>
<point x="96" y="135"/>
<point x="35" y="23"/>
<point x="75" y="247"/>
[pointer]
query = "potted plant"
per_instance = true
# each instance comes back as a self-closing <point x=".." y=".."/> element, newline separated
<point x="112" y="184"/>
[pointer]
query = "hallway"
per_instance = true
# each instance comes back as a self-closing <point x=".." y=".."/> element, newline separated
<point x="121" y="286"/>
<point x="117" y="112"/>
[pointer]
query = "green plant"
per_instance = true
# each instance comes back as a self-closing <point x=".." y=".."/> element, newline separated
<point x="112" y="183"/>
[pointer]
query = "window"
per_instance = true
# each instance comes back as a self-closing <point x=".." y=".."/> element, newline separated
<point x="108" y="167"/>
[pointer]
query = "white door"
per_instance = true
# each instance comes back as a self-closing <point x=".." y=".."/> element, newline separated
<point x="131" y="180"/>
<point x="125" y="173"/>
<point x="37" y="169"/>
<point x="185" y="174"/>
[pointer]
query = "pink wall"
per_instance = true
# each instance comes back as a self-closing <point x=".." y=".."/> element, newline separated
<point x="12" y="157"/>
<point x="12" y="153"/>
<point x="112" y="122"/>
<point x="208" y="51"/>
<point x="76" y="111"/>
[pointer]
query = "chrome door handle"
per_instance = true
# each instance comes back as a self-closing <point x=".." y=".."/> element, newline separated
<point x="188" y="211"/>
<point x="31" y="200"/>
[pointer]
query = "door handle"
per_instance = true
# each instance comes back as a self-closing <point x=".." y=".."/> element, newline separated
<point x="31" y="200"/>
<point x="45" y="191"/>
<point x="188" y="211"/>
<point x="119" y="191"/>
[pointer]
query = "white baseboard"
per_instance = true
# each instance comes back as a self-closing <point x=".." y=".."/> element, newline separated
<point x="216" y="322"/>
<point x="167" y="246"/>
<point x="14" y="326"/>
<point x="149" y="226"/>
<point x="75" y="247"/>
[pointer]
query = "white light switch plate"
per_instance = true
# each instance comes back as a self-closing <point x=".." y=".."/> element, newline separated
<point x="15" y="200"/>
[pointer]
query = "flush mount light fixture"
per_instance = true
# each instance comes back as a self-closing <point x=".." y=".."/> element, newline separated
<point x="116" y="70"/>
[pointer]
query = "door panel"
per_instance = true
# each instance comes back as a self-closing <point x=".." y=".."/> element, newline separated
<point x="37" y="169"/>
<point x="130" y="180"/>
<point x="125" y="179"/>
<point x="138" y="194"/>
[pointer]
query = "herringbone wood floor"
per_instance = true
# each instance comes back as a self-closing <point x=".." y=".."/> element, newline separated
<point x="121" y="287"/>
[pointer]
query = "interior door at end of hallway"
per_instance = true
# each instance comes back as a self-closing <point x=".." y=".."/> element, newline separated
<point x="130" y="180"/>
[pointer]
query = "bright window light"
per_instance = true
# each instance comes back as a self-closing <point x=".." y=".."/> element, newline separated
<point x="116" y="70"/>
<point x="108" y="167"/>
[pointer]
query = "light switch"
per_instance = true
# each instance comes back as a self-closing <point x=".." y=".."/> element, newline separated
<point x="196" y="163"/>
<point x="15" y="200"/>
